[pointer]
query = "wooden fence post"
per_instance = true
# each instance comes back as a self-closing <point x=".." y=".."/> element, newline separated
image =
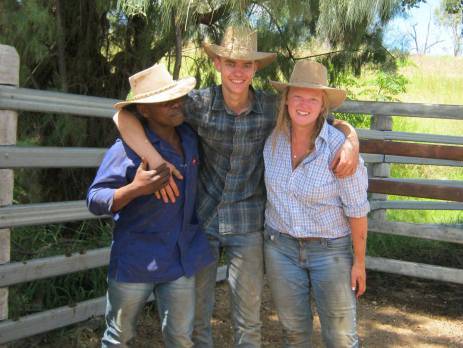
<point x="9" y="75"/>
<point x="380" y="170"/>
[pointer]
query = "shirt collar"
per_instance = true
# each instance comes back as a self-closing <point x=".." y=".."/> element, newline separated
<point x="185" y="136"/>
<point x="219" y="102"/>
<point x="323" y="135"/>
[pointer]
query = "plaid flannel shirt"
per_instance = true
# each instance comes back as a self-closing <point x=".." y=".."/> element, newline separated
<point x="310" y="201"/>
<point x="231" y="192"/>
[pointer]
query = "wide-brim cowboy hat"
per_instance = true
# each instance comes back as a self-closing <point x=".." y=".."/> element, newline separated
<point x="155" y="85"/>
<point x="313" y="75"/>
<point x="239" y="43"/>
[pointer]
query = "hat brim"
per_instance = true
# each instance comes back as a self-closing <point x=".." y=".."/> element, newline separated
<point x="181" y="88"/>
<point x="335" y="96"/>
<point x="261" y="58"/>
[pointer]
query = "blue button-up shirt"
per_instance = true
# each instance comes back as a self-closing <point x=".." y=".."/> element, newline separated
<point x="152" y="241"/>
<point x="231" y="196"/>
<point x="310" y="201"/>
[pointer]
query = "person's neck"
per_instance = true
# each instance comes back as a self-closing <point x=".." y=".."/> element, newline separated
<point x="302" y="135"/>
<point x="166" y="133"/>
<point x="238" y="103"/>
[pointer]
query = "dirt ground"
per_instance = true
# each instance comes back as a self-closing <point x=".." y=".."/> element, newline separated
<point x="395" y="312"/>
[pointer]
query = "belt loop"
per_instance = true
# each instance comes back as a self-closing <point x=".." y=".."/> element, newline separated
<point x="324" y="242"/>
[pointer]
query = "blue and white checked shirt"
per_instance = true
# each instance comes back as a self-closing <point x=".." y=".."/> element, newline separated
<point x="310" y="201"/>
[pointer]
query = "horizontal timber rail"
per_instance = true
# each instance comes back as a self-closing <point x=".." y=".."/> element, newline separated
<point x="13" y="98"/>
<point x="24" y="99"/>
<point x="50" y="157"/>
<point x="26" y="271"/>
<point x="415" y="205"/>
<point x="441" y="111"/>
<point x="44" y="213"/>
<point x="400" y="188"/>
<point x="409" y="136"/>
<point x="387" y="147"/>
<point x="62" y="157"/>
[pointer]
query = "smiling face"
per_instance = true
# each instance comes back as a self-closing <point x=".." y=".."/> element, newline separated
<point x="236" y="75"/>
<point x="304" y="106"/>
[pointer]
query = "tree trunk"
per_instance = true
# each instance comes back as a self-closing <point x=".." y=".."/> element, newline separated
<point x="178" y="46"/>
<point x="61" y="41"/>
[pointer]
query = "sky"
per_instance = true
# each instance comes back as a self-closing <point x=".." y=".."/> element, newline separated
<point x="397" y="32"/>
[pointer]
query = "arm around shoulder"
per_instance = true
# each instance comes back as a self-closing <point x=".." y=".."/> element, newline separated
<point x="346" y="160"/>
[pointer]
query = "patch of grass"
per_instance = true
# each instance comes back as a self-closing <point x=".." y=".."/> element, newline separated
<point x="415" y="250"/>
<point x="44" y="241"/>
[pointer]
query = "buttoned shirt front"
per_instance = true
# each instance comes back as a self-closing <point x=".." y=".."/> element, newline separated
<point x="152" y="241"/>
<point x="231" y="194"/>
<point x="310" y="201"/>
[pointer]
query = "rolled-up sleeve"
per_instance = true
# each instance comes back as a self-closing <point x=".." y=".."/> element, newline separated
<point x="353" y="191"/>
<point x="111" y="175"/>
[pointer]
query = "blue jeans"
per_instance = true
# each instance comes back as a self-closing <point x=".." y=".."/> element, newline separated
<point x="245" y="268"/>
<point x="294" y="268"/>
<point x="175" y="301"/>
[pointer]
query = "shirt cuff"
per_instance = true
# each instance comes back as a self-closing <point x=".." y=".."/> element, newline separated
<point x="357" y="211"/>
<point x="102" y="202"/>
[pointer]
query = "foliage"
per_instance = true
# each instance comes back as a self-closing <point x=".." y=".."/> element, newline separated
<point x="449" y="15"/>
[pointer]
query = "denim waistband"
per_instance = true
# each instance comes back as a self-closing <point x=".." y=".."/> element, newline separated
<point x="287" y="235"/>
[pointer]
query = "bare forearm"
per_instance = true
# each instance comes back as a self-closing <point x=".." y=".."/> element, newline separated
<point x="359" y="227"/>
<point x="123" y="196"/>
<point x="349" y="131"/>
<point x="133" y="134"/>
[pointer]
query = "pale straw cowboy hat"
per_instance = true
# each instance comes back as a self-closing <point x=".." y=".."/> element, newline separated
<point x="309" y="74"/>
<point x="239" y="43"/>
<point x="155" y="85"/>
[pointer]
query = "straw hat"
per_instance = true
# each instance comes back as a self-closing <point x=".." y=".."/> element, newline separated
<point x="309" y="74"/>
<point x="239" y="43"/>
<point x="156" y="85"/>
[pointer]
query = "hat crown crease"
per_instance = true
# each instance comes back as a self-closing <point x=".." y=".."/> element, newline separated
<point x="309" y="73"/>
<point x="155" y="78"/>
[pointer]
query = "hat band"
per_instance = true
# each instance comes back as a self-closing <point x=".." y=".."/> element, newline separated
<point x="156" y="91"/>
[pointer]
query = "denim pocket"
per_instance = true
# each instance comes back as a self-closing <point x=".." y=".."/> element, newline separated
<point x="342" y="243"/>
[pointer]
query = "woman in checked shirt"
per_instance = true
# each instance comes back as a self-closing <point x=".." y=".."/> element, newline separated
<point x="313" y="219"/>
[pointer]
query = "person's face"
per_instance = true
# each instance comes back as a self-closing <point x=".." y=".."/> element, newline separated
<point x="236" y="75"/>
<point x="304" y="105"/>
<point x="167" y="114"/>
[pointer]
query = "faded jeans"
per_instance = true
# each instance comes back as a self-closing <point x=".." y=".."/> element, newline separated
<point x="175" y="302"/>
<point x="294" y="269"/>
<point x="245" y="268"/>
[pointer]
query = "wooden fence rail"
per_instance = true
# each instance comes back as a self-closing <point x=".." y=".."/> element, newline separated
<point x="381" y="147"/>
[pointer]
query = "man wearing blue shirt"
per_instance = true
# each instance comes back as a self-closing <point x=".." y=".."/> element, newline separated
<point x="157" y="248"/>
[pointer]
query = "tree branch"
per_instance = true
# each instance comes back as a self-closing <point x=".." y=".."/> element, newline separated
<point x="290" y="53"/>
<point x="213" y="16"/>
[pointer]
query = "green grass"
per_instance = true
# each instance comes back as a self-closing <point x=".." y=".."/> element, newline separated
<point x="44" y="241"/>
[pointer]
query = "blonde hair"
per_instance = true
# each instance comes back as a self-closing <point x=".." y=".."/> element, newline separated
<point x="283" y="119"/>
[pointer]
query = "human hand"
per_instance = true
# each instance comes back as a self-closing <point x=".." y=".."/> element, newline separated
<point x="358" y="279"/>
<point x="147" y="181"/>
<point x="346" y="160"/>
<point x="170" y="192"/>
